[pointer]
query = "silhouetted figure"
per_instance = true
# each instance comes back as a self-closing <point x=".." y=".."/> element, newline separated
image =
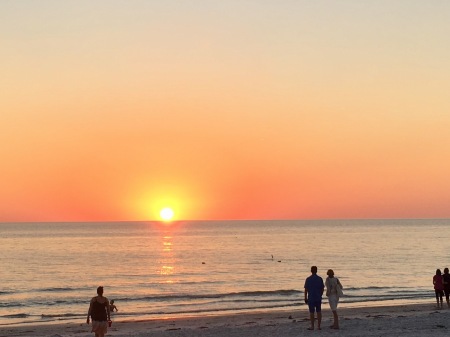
<point x="334" y="288"/>
<point x="112" y="306"/>
<point x="438" y="287"/>
<point x="99" y="312"/>
<point x="446" y="279"/>
<point x="314" y="288"/>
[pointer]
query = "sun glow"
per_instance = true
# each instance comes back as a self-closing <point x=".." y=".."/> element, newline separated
<point x="166" y="214"/>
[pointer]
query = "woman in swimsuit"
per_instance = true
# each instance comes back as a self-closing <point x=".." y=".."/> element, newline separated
<point x="99" y="312"/>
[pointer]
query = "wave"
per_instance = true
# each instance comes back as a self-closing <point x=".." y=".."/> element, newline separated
<point x="379" y="288"/>
<point x="57" y="289"/>
<point x="11" y="304"/>
<point x="6" y="292"/>
<point x="245" y="294"/>
<point x="193" y="304"/>
<point x="42" y="290"/>
<point x="60" y="315"/>
<point x="20" y="315"/>
<point x="213" y="310"/>
<point x="351" y="294"/>
<point x="367" y="298"/>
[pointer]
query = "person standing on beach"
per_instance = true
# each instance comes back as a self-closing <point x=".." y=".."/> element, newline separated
<point x="314" y="288"/>
<point x="112" y="306"/>
<point x="438" y="287"/>
<point x="99" y="312"/>
<point x="446" y="279"/>
<point x="333" y="285"/>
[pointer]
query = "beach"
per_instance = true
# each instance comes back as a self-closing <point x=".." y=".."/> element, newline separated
<point x="400" y="320"/>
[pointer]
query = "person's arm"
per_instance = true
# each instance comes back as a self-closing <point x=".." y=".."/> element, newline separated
<point x="306" y="290"/>
<point x="107" y="310"/>
<point x="327" y="283"/>
<point x="89" y="312"/>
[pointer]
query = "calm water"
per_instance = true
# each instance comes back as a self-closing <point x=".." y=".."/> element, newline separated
<point x="51" y="270"/>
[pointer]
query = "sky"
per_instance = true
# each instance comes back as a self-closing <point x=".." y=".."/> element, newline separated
<point x="238" y="109"/>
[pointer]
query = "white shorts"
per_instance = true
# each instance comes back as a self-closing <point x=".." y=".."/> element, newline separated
<point x="333" y="300"/>
<point x="99" y="327"/>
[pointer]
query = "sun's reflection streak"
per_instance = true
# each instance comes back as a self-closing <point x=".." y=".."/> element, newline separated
<point x="167" y="244"/>
<point x="167" y="268"/>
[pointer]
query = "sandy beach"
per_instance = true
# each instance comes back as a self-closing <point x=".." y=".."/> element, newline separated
<point x="402" y="320"/>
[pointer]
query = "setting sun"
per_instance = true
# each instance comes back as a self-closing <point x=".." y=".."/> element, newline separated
<point x="166" y="214"/>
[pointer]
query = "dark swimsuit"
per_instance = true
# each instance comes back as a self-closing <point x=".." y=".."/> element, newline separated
<point x="98" y="312"/>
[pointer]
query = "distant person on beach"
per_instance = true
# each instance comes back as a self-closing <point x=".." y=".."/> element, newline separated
<point x="438" y="287"/>
<point x="314" y="288"/>
<point x="334" y="289"/>
<point x="99" y="312"/>
<point x="446" y="279"/>
<point x="112" y="306"/>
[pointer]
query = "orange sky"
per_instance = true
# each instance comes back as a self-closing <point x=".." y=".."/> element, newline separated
<point x="112" y="110"/>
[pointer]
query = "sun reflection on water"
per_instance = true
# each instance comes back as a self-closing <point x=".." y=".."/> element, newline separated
<point x="167" y="260"/>
<point x="167" y="244"/>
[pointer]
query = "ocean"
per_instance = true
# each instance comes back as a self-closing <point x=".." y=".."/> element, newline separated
<point x="50" y="271"/>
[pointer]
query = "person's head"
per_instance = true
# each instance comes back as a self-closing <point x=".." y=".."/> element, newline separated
<point x="314" y="269"/>
<point x="330" y="273"/>
<point x="100" y="291"/>
<point x="438" y="272"/>
<point x="112" y="301"/>
<point x="445" y="270"/>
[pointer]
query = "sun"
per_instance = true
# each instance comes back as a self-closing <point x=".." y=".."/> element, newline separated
<point x="166" y="214"/>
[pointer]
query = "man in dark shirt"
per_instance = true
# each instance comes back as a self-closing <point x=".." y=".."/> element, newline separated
<point x="314" y="288"/>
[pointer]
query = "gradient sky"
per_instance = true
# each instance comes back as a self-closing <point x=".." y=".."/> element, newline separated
<point x="111" y="110"/>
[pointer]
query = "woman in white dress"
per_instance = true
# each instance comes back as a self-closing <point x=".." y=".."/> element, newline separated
<point x="334" y="289"/>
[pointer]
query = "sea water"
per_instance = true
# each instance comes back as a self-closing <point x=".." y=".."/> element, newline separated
<point x="50" y="271"/>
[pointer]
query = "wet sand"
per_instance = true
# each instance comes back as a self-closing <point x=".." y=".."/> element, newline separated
<point x="401" y="320"/>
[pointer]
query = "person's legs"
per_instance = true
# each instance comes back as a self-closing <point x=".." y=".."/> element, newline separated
<point x="312" y="309"/>
<point x="319" y="313"/>
<point x="311" y="318"/>
<point x="437" y="297"/>
<point x="333" y="301"/>
<point x="335" y="320"/>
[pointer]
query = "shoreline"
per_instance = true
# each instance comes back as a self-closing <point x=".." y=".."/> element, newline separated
<point x="394" y="320"/>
